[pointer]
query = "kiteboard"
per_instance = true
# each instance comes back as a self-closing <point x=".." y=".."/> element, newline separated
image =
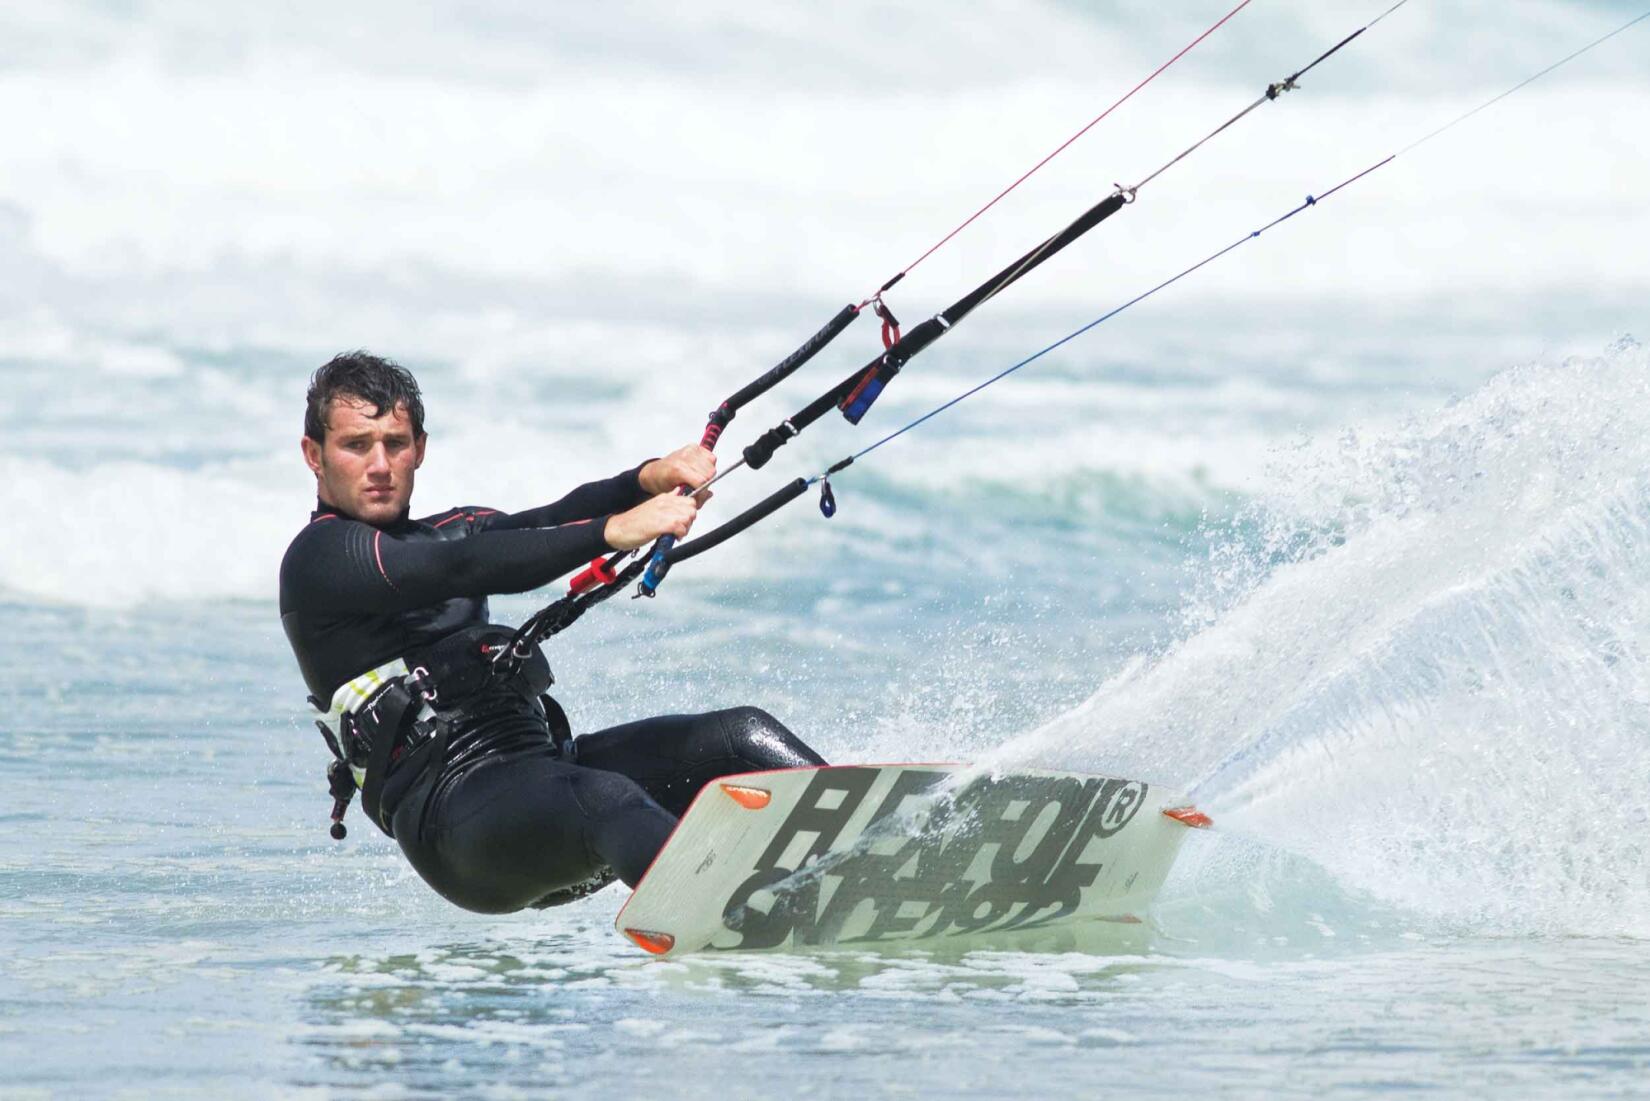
<point x="858" y="855"/>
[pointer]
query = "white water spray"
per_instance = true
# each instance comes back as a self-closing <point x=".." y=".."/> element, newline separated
<point x="1429" y="671"/>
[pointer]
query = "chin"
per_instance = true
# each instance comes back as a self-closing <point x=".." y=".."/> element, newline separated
<point x="381" y="511"/>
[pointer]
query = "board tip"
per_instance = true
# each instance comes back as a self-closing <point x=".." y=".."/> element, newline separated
<point x="1189" y="816"/>
<point x="655" y="943"/>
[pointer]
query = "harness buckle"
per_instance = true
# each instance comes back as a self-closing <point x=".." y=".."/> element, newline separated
<point x="419" y="681"/>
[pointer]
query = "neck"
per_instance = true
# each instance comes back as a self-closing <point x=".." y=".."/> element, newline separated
<point x="324" y="505"/>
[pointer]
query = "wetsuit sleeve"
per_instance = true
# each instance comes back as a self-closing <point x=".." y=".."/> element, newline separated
<point x="353" y="567"/>
<point x="588" y="502"/>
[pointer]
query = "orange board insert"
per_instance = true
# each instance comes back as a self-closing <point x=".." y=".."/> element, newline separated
<point x="748" y="797"/>
<point x="657" y="943"/>
<point x="1189" y="816"/>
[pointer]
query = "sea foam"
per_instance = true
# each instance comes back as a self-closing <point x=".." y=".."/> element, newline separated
<point x="1423" y="662"/>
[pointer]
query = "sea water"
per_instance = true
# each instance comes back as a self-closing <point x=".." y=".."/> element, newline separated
<point x="1405" y="671"/>
<point x="1345" y="538"/>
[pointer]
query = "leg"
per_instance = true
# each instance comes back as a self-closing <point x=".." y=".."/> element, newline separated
<point x="510" y="832"/>
<point x="673" y="756"/>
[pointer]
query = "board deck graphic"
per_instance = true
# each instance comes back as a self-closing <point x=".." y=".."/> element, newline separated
<point x="862" y="854"/>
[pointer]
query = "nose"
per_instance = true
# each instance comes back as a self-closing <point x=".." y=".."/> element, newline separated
<point x="378" y="460"/>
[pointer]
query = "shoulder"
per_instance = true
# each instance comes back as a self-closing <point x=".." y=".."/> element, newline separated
<point x="463" y="520"/>
<point x="319" y="549"/>
<point x="327" y="529"/>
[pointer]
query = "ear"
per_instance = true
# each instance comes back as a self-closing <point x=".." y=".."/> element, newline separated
<point x="312" y="454"/>
<point x="418" y="451"/>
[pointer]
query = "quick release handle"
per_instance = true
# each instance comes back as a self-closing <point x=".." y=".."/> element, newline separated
<point x="599" y="572"/>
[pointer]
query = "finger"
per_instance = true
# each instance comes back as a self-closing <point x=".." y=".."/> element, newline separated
<point x="702" y="496"/>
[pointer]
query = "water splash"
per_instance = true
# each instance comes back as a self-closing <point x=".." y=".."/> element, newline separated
<point x="1425" y="665"/>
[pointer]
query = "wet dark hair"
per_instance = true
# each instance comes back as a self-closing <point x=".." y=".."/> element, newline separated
<point x="382" y="383"/>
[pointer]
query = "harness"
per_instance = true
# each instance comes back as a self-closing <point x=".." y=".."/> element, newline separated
<point x="390" y="725"/>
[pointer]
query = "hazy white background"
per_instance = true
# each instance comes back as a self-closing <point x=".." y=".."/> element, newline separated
<point x="543" y="206"/>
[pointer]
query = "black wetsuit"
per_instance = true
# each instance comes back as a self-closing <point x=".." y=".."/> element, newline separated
<point x="507" y="819"/>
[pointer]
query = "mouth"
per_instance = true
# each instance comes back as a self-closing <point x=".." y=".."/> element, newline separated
<point x="380" y="492"/>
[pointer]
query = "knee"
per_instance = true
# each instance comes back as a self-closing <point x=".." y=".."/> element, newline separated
<point x="748" y="727"/>
<point x="763" y="741"/>
<point x="752" y="719"/>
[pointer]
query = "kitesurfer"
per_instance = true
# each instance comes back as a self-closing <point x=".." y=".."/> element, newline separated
<point x="473" y="771"/>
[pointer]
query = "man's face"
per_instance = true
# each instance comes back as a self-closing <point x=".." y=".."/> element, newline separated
<point x="366" y="465"/>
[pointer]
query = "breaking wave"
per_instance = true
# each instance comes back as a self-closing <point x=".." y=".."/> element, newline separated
<point x="1423" y="663"/>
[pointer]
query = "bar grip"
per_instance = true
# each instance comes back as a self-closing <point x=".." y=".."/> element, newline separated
<point x="789" y="365"/>
<point x="759" y="511"/>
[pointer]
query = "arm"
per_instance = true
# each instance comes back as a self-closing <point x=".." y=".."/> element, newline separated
<point x="692" y="465"/>
<point x="347" y="566"/>
<point x="589" y="501"/>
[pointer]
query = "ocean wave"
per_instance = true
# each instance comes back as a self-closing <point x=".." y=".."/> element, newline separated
<point x="1423" y="662"/>
<point x="118" y="533"/>
<point x="171" y="471"/>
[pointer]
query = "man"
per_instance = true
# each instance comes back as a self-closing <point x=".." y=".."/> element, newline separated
<point x="463" y="760"/>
